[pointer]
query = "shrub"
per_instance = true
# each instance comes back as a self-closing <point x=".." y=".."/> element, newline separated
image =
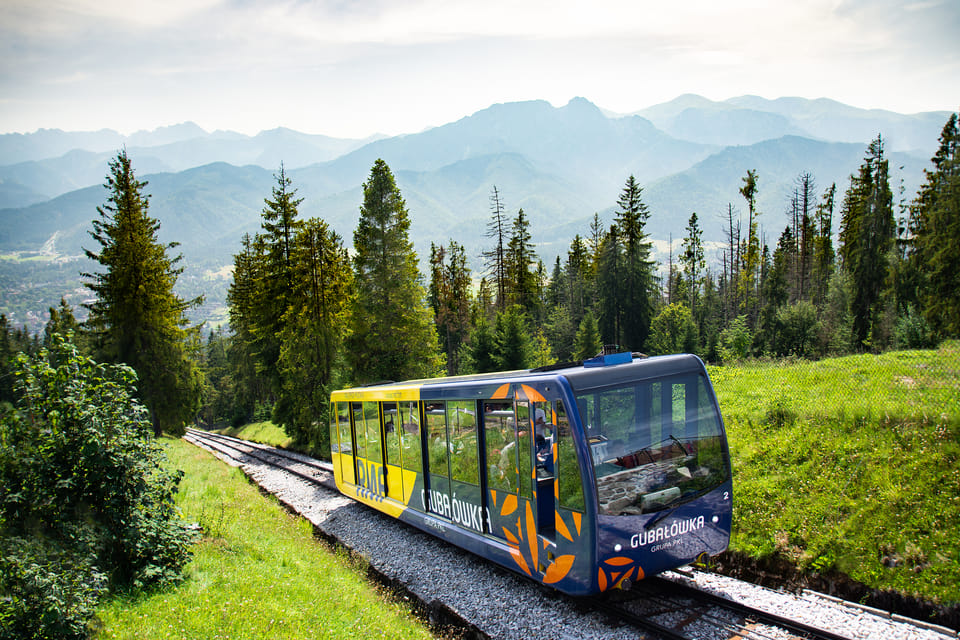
<point x="912" y="331"/>
<point x="797" y="328"/>
<point x="673" y="331"/>
<point x="47" y="593"/>
<point x="83" y="482"/>
<point x="735" y="340"/>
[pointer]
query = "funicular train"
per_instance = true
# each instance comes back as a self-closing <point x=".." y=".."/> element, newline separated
<point x="584" y="477"/>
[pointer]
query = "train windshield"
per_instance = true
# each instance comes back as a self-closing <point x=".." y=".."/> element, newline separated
<point x="655" y="444"/>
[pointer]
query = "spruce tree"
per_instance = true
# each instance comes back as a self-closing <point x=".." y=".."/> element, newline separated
<point x="521" y="281"/>
<point x="693" y="261"/>
<point x="249" y="389"/>
<point x="823" y="253"/>
<point x="749" y="269"/>
<point x="557" y="287"/>
<point x="480" y="352"/>
<point x="393" y="331"/>
<point x="496" y="257"/>
<point x="515" y="348"/>
<point x="136" y="318"/>
<point x="866" y="238"/>
<point x="804" y="234"/>
<point x="638" y="275"/>
<point x="578" y="273"/>
<point x="625" y="273"/>
<point x="587" y="342"/>
<point x="450" y="298"/>
<point x="609" y="281"/>
<point x="314" y="327"/>
<point x="275" y="276"/>
<point x="935" y="224"/>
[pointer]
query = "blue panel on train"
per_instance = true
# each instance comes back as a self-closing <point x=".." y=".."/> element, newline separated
<point x="609" y="360"/>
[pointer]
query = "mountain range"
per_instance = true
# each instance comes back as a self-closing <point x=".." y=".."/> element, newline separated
<point x="561" y="165"/>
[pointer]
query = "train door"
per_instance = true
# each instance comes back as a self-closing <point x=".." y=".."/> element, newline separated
<point x="508" y="429"/>
<point x="438" y="458"/>
<point x="411" y="448"/>
<point x="369" y="447"/>
<point x="341" y="441"/>
<point x="544" y="476"/>
<point x="463" y="440"/>
<point x="392" y="447"/>
<point x="453" y="462"/>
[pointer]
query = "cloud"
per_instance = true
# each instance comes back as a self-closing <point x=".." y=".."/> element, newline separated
<point x="300" y="62"/>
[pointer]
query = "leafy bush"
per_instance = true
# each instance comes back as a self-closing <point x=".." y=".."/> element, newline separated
<point x="797" y="329"/>
<point x="47" y="593"/>
<point x="673" y="331"/>
<point x="85" y="500"/>
<point x="912" y="331"/>
<point x="735" y="340"/>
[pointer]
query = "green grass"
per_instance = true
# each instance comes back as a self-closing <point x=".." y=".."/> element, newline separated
<point x="263" y="432"/>
<point x="850" y="464"/>
<point x="257" y="573"/>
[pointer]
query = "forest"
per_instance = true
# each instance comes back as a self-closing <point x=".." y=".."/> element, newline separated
<point x="861" y="267"/>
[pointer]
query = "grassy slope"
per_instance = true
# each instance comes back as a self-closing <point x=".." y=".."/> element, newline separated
<point x="850" y="464"/>
<point x="257" y="573"/>
<point x="263" y="432"/>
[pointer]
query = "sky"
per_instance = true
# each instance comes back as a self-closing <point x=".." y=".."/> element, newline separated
<point x="350" y="69"/>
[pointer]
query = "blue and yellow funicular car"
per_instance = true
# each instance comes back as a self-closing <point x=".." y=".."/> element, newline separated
<point x="585" y="477"/>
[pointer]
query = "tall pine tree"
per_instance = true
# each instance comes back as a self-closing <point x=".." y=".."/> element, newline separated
<point x="275" y="245"/>
<point x="935" y="225"/>
<point x="866" y="237"/>
<point x="314" y="327"/>
<point x="393" y="337"/>
<point x="749" y="277"/>
<point x="450" y="298"/>
<point x="496" y="261"/>
<point x="520" y="256"/>
<point x="625" y="273"/>
<point x="136" y="318"/>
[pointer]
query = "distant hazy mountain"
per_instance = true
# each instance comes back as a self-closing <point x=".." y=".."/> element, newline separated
<point x="561" y="165"/>
<point x="750" y="119"/>
<point x="43" y="165"/>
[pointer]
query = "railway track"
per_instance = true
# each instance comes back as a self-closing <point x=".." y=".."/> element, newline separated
<point x="675" y="611"/>
<point x="657" y="607"/>
<point x="299" y="465"/>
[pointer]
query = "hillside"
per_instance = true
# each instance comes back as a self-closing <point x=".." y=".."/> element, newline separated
<point x="849" y="466"/>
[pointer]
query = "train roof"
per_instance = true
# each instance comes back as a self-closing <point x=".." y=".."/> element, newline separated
<point x="602" y="371"/>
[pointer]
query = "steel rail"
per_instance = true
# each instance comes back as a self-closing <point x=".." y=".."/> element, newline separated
<point x="219" y="442"/>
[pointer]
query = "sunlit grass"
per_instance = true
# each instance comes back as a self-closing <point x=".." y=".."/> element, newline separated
<point x="257" y="573"/>
<point x="850" y="464"/>
<point x="263" y="432"/>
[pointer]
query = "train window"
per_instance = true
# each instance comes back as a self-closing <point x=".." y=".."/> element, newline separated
<point x="359" y="428"/>
<point x="568" y="471"/>
<point x="391" y="433"/>
<point x="462" y="425"/>
<point x="437" y="438"/>
<point x="371" y="417"/>
<point x="654" y="445"/>
<point x="524" y="455"/>
<point x="334" y="429"/>
<point x="411" y="456"/>
<point x="500" y="434"/>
